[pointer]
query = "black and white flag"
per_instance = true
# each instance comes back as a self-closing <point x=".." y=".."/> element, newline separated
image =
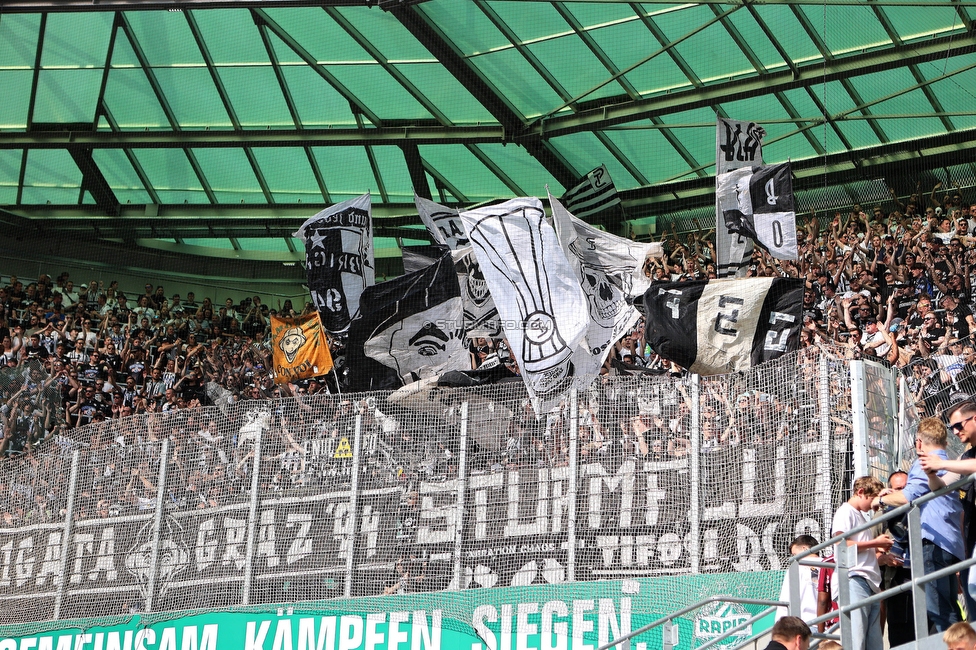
<point x="593" y="194"/>
<point x="718" y="327"/>
<point x="737" y="144"/>
<point x="408" y="328"/>
<point x="421" y="256"/>
<point x="339" y="259"/>
<point x="757" y="202"/>
<point x="540" y="302"/>
<point x="443" y="223"/>
<point x="610" y="272"/>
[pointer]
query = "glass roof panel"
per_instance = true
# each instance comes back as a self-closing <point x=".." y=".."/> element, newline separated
<point x="76" y="40"/>
<point x="10" y="160"/>
<point x="585" y="152"/>
<point x="911" y="24"/>
<point x="385" y="247"/>
<point x="530" y="21"/>
<point x="522" y="168"/>
<point x="264" y="244"/>
<point x="317" y="102"/>
<point x="231" y="36"/>
<point x="165" y="37"/>
<point x="446" y="92"/>
<point x="16" y="86"/>
<point x="67" y="95"/>
<point x="347" y="172"/>
<point x="700" y="143"/>
<point x="377" y="89"/>
<point x="591" y="14"/>
<point x="469" y="28"/>
<point x="51" y="176"/>
<point x="838" y="100"/>
<point x="230" y="175"/>
<point x="318" y="33"/>
<point x="710" y="53"/>
<point x="464" y="171"/>
<point x="757" y="41"/>
<point x="835" y="28"/>
<point x="288" y="174"/>
<point x="121" y="177"/>
<point x="170" y="173"/>
<point x="806" y="107"/>
<point x="394" y="172"/>
<point x="575" y="67"/>
<point x="193" y="97"/>
<point x="386" y="34"/>
<point x="913" y="104"/>
<point x="210" y="242"/>
<point x="18" y="40"/>
<point x="788" y="31"/>
<point x="132" y="102"/>
<point x="650" y="151"/>
<point x="626" y="44"/>
<point x="256" y="97"/>
<point x="87" y="198"/>
<point x="954" y="94"/>
<point x="515" y="80"/>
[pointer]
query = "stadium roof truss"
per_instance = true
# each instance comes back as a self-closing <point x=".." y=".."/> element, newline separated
<point x="219" y="126"/>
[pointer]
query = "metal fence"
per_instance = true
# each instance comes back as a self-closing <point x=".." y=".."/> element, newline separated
<point x="427" y="490"/>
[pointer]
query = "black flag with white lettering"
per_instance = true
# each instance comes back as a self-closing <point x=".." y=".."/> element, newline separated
<point x="757" y="202"/>
<point x="717" y="327"/>
<point x="339" y="259"/>
<point x="408" y="328"/>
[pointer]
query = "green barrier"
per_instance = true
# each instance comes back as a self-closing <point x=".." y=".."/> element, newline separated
<point x="577" y="616"/>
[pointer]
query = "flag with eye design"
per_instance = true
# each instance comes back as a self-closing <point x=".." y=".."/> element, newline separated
<point x="408" y="328"/>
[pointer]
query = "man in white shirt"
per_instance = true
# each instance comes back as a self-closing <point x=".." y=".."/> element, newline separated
<point x="808" y="587"/>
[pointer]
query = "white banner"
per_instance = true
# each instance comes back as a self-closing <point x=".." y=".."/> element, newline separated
<point x="540" y="303"/>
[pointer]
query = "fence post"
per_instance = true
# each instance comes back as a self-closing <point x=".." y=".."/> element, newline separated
<point x="694" y="516"/>
<point x="66" y="534"/>
<point x="252" y="518"/>
<point x="357" y="447"/>
<point x="825" y="469"/>
<point x="462" y="479"/>
<point x="859" y="420"/>
<point x="157" y="524"/>
<point x="573" y="480"/>
<point x="841" y="556"/>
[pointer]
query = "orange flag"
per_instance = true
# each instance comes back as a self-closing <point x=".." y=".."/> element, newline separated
<point x="300" y="348"/>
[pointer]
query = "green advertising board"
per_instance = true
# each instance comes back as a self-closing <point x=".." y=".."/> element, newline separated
<point x="573" y="616"/>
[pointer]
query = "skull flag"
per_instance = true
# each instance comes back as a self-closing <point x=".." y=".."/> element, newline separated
<point x="717" y="327"/>
<point x="339" y="259"/>
<point x="737" y="144"/>
<point x="757" y="202"/>
<point x="299" y="348"/>
<point x="610" y="272"/>
<point x="540" y="302"/>
<point x="408" y="328"/>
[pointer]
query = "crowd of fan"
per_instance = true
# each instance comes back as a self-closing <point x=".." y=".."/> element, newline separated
<point x="896" y="286"/>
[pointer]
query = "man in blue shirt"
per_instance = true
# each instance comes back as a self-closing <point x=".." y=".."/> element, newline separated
<point x="942" y="540"/>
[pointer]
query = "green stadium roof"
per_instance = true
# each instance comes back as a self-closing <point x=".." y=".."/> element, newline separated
<point x="220" y="126"/>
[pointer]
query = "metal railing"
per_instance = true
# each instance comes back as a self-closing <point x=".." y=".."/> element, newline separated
<point x="841" y="565"/>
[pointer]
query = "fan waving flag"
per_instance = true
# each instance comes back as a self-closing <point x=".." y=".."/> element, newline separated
<point x="593" y="194"/>
<point x="724" y="326"/>
<point x="737" y="144"/>
<point x="408" y="328"/>
<point x="757" y="202"/>
<point x="540" y="302"/>
<point x="299" y="348"/>
<point x="339" y="259"/>
<point x="610" y="271"/>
